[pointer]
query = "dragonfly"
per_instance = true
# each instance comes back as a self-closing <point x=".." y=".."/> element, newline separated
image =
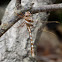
<point x="29" y="23"/>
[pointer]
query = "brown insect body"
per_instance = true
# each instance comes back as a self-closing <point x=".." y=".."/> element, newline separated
<point x="29" y="23"/>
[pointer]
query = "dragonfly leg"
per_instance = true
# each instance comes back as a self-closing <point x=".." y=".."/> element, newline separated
<point x="21" y="25"/>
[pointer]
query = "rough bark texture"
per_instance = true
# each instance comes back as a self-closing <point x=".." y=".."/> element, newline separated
<point x="15" y="43"/>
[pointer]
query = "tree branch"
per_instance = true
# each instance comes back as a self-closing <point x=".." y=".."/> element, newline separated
<point x="51" y="7"/>
<point x="5" y="26"/>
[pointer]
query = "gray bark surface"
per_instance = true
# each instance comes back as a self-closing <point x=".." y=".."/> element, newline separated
<point x="15" y="43"/>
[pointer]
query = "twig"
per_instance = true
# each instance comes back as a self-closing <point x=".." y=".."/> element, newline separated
<point x="51" y="7"/>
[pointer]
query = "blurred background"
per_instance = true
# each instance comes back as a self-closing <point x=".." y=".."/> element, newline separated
<point x="56" y="27"/>
<point x="3" y="4"/>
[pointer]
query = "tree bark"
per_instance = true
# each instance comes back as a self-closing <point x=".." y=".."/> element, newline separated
<point x="15" y="15"/>
<point x="15" y="43"/>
